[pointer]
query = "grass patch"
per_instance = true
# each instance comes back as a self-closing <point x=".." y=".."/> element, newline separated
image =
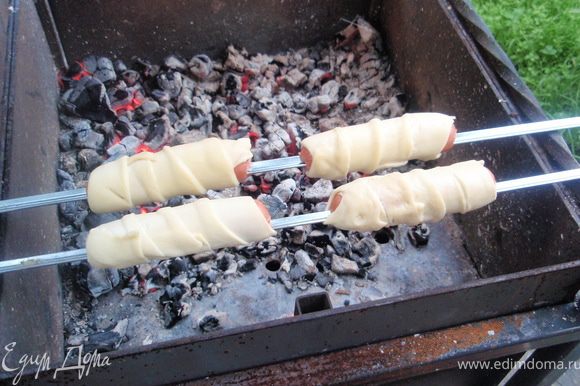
<point x="542" y="38"/>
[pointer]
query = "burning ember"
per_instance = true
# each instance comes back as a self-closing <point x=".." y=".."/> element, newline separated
<point x="110" y="110"/>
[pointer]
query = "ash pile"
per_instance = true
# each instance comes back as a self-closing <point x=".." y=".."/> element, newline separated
<point x="110" y="109"/>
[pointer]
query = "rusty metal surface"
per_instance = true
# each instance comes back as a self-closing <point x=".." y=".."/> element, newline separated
<point x="417" y="354"/>
<point x="154" y="29"/>
<point x="30" y="302"/>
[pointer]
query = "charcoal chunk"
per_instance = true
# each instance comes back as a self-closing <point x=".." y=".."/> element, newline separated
<point x="88" y="99"/>
<point x="419" y="235"/>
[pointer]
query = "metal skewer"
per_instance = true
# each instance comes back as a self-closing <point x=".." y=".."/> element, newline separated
<point x="279" y="223"/>
<point x="295" y="161"/>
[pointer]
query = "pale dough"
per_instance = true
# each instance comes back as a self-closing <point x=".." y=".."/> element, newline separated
<point x="201" y="226"/>
<point x="377" y="144"/>
<point x="191" y="168"/>
<point x="371" y="203"/>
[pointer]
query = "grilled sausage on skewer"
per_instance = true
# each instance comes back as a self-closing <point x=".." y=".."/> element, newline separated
<point x="372" y="203"/>
<point x="377" y="144"/>
<point x="201" y="226"/>
<point x="192" y="168"/>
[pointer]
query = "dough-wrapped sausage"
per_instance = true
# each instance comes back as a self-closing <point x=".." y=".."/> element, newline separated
<point x="177" y="231"/>
<point x="377" y="144"/>
<point x="193" y="168"/>
<point x="371" y="203"/>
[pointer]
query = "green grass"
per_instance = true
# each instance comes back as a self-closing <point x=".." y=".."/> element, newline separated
<point x="542" y="37"/>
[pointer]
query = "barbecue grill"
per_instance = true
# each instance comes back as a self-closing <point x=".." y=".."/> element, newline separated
<point x="512" y="264"/>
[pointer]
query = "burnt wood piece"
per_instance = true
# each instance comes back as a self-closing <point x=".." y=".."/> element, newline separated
<point x="30" y="302"/>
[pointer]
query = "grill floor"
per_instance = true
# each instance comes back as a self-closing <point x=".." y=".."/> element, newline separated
<point x="252" y="299"/>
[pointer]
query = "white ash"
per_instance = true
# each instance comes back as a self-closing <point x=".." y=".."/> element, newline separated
<point x="276" y="100"/>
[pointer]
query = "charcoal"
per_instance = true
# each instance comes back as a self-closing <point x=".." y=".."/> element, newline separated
<point x="89" y="159"/>
<point x="74" y="72"/>
<point x="343" y="266"/>
<point x="319" y="104"/>
<point x="200" y="66"/>
<point x="285" y="189"/>
<point x="319" y="191"/>
<point x="62" y="176"/>
<point x="89" y="139"/>
<point x="247" y="265"/>
<point x="331" y="89"/>
<point x="234" y="61"/>
<point x="297" y="235"/>
<point x="93" y="220"/>
<point x="73" y="212"/>
<point x="340" y="243"/>
<point x="89" y="100"/>
<point x="116" y="151"/>
<point x="211" y="276"/>
<point x="176" y="267"/>
<point x="81" y="240"/>
<point x="295" y="78"/>
<point x="313" y="250"/>
<point x="320" y="207"/>
<point x="149" y="106"/>
<point x="323" y="279"/>
<point x="131" y="143"/>
<point x="97" y="281"/>
<point x="105" y="70"/>
<point x="170" y="82"/>
<point x="107" y="129"/>
<point x="223" y="263"/>
<point x="161" y="96"/>
<point x="352" y="99"/>
<point x="285" y="99"/>
<point x="369" y="250"/>
<point x="119" y="66"/>
<point x="174" y="62"/>
<point x="232" y="268"/>
<point x="89" y="63"/>
<point x="297" y="272"/>
<point x="326" y="124"/>
<point x="275" y="205"/>
<point x="394" y="107"/>
<point x="419" y="235"/>
<point x="173" y="308"/>
<point x="104" y="341"/>
<point x="319" y="237"/>
<point x="65" y="140"/>
<point x="209" y="322"/>
<point x="303" y="285"/>
<point x="160" y="131"/>
<point x="231" y="84"/>
<point x="303" y="260"/>
<point x="399" y="237"/>
<point x="131" y="77"/>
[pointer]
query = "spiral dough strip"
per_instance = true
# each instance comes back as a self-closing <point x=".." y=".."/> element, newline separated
<point x="192" y="168"/>
<point x="201" y="226"/>
<point x="377" y="144"/>
<point x="371" y="203"/>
